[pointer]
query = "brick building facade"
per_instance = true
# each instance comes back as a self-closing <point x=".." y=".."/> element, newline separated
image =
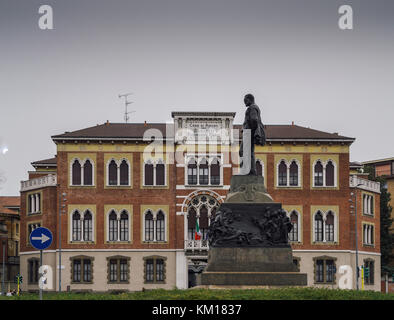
<point x="133" y="203"/>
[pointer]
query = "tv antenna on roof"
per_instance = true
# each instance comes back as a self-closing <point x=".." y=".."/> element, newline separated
<point x="126" y="103"/>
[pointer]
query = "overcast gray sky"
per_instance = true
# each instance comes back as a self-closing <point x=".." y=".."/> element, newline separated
<point x="192" y="55"/>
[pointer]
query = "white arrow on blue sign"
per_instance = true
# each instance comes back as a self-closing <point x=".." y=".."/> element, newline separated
<point x="41" y="238"/>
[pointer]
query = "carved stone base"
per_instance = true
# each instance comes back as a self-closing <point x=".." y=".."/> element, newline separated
<point x="250" y="260"/>
<point x="252" y="279"/>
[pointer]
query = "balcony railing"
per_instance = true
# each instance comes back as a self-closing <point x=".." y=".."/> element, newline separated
<point x="364" y="184"/>
<point x="193" y="245"/>
<point x="41" y="182"/>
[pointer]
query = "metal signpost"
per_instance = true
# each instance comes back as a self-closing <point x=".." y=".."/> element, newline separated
<point x="41" y="238"/>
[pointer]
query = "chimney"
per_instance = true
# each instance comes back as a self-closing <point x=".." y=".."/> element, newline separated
<point x="107" y="123"/>
<point x="292" y="123"/>
<point x="145" y="124"/>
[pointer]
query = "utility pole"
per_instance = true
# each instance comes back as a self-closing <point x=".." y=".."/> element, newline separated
<point x="126" y="103"/>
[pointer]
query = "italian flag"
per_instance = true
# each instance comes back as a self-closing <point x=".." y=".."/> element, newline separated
<point x="198" y="234"/>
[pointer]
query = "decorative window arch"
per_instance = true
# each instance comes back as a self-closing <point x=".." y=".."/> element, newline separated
<point x="215" y="171"/>
<point x="260" y="167"/>
<point x="118" y="225"/>
<point x="368" y="234"/>
<point x="155" y="225"/>
<point x="295" y="219"/>
<point x="155" y="173"/>
<point x="124" y="226"/>
<point x="82" y="172"/>
<point x="118" y="172"/>
<point x="76" y="226"/>
<point x="368" y="204"/>
<point x="201" y="208"/>
<point x="288" y="173"/>
<point x="76" y="173"/>
<point x="82" y="226"/>
<point x="324" y="173"/>
<point x="325" y="226"/>
<point x="204" y="170"/>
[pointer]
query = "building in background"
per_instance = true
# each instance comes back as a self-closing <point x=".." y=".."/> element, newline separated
<point x="9" y="240"/>
<point x="136" y="213"/>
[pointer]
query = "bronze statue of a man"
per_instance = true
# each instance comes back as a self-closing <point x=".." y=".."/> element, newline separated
<point x="253" y="122"/>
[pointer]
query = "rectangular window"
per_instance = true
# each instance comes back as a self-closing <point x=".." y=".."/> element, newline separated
<point x="159" y="270"/>
<point x="113" y="272"/>
<point x="87" y="271"/>
<point x="123" y="270"/>
<point x="149" y="270"/>
<point x="77" y="270"/>
<point x="319" y="271"/>
<point x="325" y="271"/>
<point x="33" y="266"/>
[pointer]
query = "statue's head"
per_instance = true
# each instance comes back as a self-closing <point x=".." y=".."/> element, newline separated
<point x="249" y="99"/>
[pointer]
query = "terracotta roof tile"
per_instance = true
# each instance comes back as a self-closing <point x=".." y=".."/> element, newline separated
<point x="9" y="202"/>
<point x="137" y="130"/>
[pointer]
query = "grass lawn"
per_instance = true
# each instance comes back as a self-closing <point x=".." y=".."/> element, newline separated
<point x="205" y="294"/>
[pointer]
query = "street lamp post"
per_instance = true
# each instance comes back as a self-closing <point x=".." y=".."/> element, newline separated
<point x="61" y="207"/>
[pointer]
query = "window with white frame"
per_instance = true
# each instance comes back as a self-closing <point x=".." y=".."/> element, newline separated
<point x="295" y="233"/>
<point x="324" y="173"/>
<point x="82" y="172"/>
<point x="82" y="226"/>
<point x="118" y="226"/>
<point x="324" y="226"/>
<point x="34" y="203"/>
<point x="118" y="172"/>
<point x="288" y="173"/>
<point x="368" y="204"/>
<point x="154" y="173"/>
<point x="203" y="171"/>
<point x="368" y="234"/>
<point x="31" y="227"/>
<point x="155" y="226"/>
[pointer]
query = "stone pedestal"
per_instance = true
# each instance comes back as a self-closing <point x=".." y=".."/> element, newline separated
<point x="248" y="240"/>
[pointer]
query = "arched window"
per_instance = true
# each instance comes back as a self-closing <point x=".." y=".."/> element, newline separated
<point x="294" y="173"/>
<point x="293" y="235"/>
<point x="76" y="217"/>
<point x="329" y="227"/>
<point x="191" y="223"/>
<point x="259" y="168"/>
<point x="149" y="228"/>
<point x="192" y="172"/>
<point x="87" y="227"/>
<point x="318" y="226"/>
<point x="113" y="226"/>
<point x="160" y="227"/>
<point x="87" y="173"/>
<point x="329" y="174"/>
<point x="124" y="173"/>
<point x="76" y="173"/>
<point x="124" y="226"/>
<point x="318" y="174"/>
<point x="203" y="222"/>
<point x="113" y="173"/>
<point x="282" y="174"/>
<point x="148" y="169"/>
<point x="215" y="172"/>
<point x="203" y="171"/>
<point x="160" y="174"/>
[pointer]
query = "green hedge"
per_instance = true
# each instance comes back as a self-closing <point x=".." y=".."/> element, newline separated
<point x="204" y="294"/>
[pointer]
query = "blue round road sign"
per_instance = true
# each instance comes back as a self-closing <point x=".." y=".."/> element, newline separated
<point x="41" y="238"/>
